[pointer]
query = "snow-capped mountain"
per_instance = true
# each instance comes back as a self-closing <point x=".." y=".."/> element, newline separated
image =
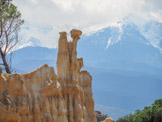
<point x="113" y="45"/>
<point x="47" y="35"/>
<point x="33" y="34"/>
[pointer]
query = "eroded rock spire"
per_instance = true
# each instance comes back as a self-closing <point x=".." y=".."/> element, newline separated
<point x="43" y="96"/>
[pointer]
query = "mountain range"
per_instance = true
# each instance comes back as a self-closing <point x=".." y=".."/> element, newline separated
<point x="125" y="62"/>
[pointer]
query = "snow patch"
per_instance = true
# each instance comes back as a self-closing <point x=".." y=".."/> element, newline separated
<point x="108" y="44"/>
<point x="152" y="31"/>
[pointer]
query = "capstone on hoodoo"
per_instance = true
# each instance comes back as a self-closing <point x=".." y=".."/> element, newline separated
<point x="43" y="96"/>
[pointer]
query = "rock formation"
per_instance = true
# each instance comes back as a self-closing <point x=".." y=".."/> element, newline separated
<point x="108" y="120"/>
<point x="43" y="96"/>
<point x="100" y="117"/>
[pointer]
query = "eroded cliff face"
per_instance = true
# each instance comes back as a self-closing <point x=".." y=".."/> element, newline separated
<point x="43" y="96"/>
<point x="32" y="97"/>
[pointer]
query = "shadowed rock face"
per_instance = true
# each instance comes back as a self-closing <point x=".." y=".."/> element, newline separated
<point x="43" y="96"/>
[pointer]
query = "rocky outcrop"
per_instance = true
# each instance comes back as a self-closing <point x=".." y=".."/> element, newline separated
<point x="76" y="85"/>
<point x="100" y="117"/>
<point x="108" y="120"/>
<point x="103" y="117"/>
<point x="43" y="96"/>
<point x="32" y="97"/>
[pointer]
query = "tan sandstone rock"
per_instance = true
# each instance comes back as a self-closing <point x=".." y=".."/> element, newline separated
<point x="43" y="96"/>
<point x="35" y="96"/>
<point x="108" y="120"/>
<point x="76" y="85"/>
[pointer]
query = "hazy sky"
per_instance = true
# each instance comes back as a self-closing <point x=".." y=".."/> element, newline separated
<point x="79" y="12"/>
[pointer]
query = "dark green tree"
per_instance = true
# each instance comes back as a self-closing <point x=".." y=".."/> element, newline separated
<point x="152" y="113"/>
<point x="10" y="22"/>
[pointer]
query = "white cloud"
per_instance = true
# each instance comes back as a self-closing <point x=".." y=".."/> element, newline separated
<point x="59" y="12"/>
<point x="66" y="5"/>
<point x="34" y="1"/>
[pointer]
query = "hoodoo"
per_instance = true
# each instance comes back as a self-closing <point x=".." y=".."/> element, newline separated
<point x="43" y="96"/>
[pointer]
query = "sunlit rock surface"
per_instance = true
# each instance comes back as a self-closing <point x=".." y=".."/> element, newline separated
<point x="108" y="120"/>
<point x="43" y="96"/>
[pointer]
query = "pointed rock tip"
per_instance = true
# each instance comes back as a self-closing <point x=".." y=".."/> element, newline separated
<point x="64" y="33"/>
<point x="75" y="33"/>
